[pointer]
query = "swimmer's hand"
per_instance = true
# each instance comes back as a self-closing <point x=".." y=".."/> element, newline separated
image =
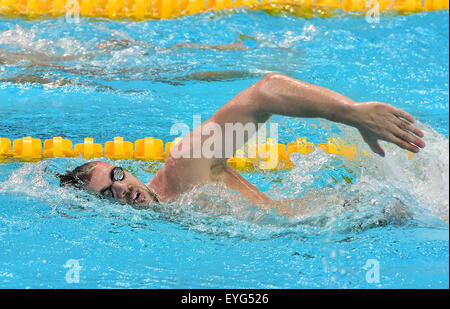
<point x="380" y="121"/>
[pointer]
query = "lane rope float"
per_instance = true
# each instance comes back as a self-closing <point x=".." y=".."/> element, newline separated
<point x="165" y="9"/>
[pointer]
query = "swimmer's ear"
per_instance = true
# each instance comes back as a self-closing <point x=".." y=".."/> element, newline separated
<point x="69" y="179"/>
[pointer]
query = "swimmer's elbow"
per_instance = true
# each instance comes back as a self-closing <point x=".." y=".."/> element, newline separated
<point x="270" y="93"/>
<point x="267" y="85"/>
<point x="265" y="95"/>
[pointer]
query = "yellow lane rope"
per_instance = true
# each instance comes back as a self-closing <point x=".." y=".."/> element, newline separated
<point x="157" y="9"/>
<point x="265" y="156"/>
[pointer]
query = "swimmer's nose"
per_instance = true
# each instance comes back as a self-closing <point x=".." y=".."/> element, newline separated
<point x="119" y="189"/>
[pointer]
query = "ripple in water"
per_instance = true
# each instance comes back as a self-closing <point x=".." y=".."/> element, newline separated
<point x="386" y="191"/>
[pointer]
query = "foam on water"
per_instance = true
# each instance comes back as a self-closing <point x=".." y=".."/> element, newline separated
<point x="384" y="191"/>
<point x="80" y="80"/>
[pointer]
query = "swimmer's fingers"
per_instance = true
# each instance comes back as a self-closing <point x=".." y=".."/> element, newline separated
<point x="409" y="127"/>
<point x="373" y="144"/>
<point x="405" y="121"/>
<point x="409" y="133"/>
<point x="403" y="140"/>
<point x="381" y="121"/>
<point x="402" y="114"/>
<point x="404" y="133"/>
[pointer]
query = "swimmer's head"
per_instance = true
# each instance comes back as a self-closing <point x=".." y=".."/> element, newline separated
<point x="109" y="181"/>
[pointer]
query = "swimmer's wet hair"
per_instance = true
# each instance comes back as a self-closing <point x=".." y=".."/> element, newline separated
<point x="78" y="177"/>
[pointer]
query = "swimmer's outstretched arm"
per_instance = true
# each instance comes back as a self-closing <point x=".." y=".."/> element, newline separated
<point x="282" y="95"/>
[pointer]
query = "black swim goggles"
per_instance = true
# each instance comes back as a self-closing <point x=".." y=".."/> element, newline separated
<point x="117" y="174"/>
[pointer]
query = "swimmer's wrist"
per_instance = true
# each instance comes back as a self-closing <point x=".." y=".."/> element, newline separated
<point x="356" y="115"/>
<point x="348" y="113"/>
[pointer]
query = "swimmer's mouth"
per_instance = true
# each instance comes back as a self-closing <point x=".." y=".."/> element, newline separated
<point x="138" y="197"/>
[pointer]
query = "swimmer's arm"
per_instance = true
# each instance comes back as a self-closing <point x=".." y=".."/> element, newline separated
<point x="281" y="95"/>
<point x="375" y="120"/>
<point x="234" y="181"/>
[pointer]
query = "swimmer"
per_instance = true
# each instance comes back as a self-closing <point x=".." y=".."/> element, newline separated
<point x="275" y="94"/>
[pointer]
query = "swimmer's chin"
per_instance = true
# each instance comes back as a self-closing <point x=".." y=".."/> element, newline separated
<point x="144" y="204"/>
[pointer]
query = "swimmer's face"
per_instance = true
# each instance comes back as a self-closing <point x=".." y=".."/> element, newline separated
<point x="111" y="181"/>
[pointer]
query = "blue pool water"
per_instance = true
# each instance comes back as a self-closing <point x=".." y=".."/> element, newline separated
<point x="104" y="78"/>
